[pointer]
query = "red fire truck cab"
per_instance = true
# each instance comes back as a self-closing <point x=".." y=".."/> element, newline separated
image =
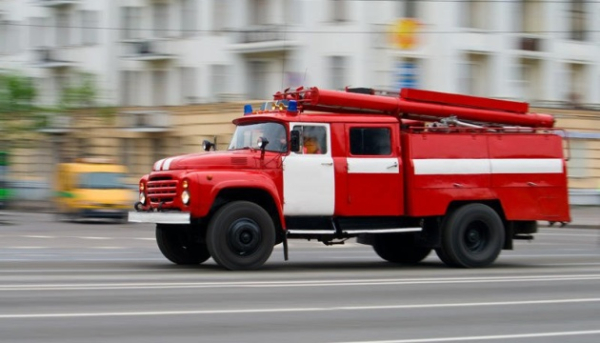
<point x="407" y="174"/>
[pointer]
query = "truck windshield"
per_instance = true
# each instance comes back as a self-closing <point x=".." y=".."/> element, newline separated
<point x="101" y="180"/>
<point x="246" y="136"/>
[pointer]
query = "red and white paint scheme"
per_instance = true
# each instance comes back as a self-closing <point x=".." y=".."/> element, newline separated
<point x="406" y="173"/>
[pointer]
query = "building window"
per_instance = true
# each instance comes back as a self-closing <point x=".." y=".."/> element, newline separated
<point x="474" y="75"/>
<point x="370" y="141"/>
<point x="411" y="9"/>
<point x="257" y="88"/>
<point x="532" y="18"/>
<point x="576" y="95"/>
<point x="36" y="32"/>
<point x="219" y="79"/>
<point x="158" y="148"/>
<point x="130" y="88"/>
<point x="161" y="19"/>
<point x="189" y="15"/>
<point x="188" y="85"/>
<point x="4" y="37"/>
<point x="578" y="20"/>
<point x="131" y="22"/>
<point x="530" y="80"/>
<point x="62" y="32"/>
<point x="338" y="71"/>
<point x="159" y="84"/>
<point x="475" y="14"/>
<point x="89" y="25"/>
<point x="220" y="16"/>
<point x="258" y="10"/>
<point x="339" y="10"/>
<point x="126" y="147"/>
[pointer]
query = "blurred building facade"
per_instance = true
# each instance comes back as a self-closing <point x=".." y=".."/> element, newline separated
<point x="174" y="68"/>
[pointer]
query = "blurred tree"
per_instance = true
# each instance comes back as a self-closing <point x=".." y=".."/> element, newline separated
<point x="21" y="117"/>
<point x="17" y="109"/>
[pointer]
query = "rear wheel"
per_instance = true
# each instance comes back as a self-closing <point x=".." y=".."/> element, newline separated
<point x="179" y="246"/>
<point x="472" y="236"/>
<point x="241" y="236"/>
<point x="399" y="248"/>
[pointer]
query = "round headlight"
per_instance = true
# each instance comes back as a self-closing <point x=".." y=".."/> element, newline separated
<point x="185" y="197"/>
<point x="142" y="198"/>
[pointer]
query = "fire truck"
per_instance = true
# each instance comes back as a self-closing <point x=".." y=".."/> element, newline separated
<point x="406" y="173"/>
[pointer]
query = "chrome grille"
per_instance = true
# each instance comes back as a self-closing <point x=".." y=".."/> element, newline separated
<point x="162" y="190"/>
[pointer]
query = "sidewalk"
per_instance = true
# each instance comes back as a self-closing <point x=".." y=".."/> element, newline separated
<point x="581" y="217"/>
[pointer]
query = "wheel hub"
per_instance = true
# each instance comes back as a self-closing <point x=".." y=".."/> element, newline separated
<point x="476" y="237"/>
<point x="244" y="236"/>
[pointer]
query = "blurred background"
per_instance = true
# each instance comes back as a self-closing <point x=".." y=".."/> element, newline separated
<point x="134" y="81"/>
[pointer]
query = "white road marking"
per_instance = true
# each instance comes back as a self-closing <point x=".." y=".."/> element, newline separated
<point x="490" y="337"/>
<point x="99" y="238"/>
<point x="309" y="283"/>
<point x="293" y="309"/>
<point x="25" y="247"/>
<point x="35" y="236"/>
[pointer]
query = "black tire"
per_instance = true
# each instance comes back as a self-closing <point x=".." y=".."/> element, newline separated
<point x="399" y="248"/>
<point x="472" y="236"/>
<point x="241" y="236"/>
<point x="179" y="247"/>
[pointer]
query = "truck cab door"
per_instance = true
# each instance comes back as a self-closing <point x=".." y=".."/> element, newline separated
<point x="374" y="184"/>
<point x="308" y="175"/>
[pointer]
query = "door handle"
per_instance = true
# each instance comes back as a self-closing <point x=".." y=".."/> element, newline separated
<point x="532" y="184"/>
<point x="327" y="163"/>
<point x="395" y="165"/>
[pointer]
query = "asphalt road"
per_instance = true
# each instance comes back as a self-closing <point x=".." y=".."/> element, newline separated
<point x="99" y="282"/>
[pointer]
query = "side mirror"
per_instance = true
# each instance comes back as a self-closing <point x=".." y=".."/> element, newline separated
<point x="207" y="145"/>
<point x="262" y="143"/>
<point x="295" y="141"/>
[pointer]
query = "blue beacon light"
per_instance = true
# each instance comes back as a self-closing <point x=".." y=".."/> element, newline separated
<point x="247" y="109"/>
<point x="292" y="106"/>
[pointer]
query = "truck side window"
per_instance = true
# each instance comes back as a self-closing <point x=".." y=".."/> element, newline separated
<point x="370" y="141"/>
<point x="313" y="139"/>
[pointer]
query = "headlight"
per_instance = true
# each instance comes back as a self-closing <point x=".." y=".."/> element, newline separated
<point x="143" y="198"/>
<point x="185" y="197"/>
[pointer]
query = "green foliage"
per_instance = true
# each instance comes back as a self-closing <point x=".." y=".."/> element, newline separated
<point x="17" y="94"/>
<point x="81" y="94"/>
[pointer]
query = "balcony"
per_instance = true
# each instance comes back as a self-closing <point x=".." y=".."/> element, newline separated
<point x="264" y="38"/>
<point x="55" y="123"/>
<point x="51" y="58"/>
<point x="57" y="3"/>
<point x="148" y="50"/>
<point x="145" y="121"/>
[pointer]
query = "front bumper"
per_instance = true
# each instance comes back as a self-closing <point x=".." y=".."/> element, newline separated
<point x="160" y="217"/>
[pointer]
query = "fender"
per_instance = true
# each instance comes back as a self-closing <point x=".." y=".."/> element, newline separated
<point x="211" y="183"/>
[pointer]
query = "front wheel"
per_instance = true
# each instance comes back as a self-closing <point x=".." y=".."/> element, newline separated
<point x="399" y="248"/>
<point x="472" y="236"/>
<point x="179" y="246"/>
<point x="241" y="236"/>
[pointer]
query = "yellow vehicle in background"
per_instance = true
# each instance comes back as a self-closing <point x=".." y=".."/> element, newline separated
<point x="92" y="188"/>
